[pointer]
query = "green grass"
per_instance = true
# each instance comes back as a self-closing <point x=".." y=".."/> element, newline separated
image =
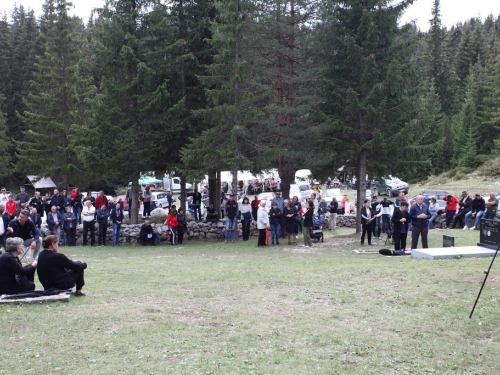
<point x="212" y="308"/>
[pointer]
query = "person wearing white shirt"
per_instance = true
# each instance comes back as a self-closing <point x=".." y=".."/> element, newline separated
<point x="262" y="224"/>
<point x="4" y="197"/>
<point x="88" y="215"/>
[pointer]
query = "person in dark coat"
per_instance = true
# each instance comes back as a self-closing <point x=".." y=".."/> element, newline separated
<point x="290" y="215"/>
<point x="400" y="220"/>
<point x="37" y="202"/>
<point x="69" y="225"/>
<point x="182" y="225"/>
<point x="102" y="221"/>
<point x="14" y="278"/>
<point x="308" y="223"/>
<point x="275" y="215"/>
<point x="117" y="218"/>
<point x="367" y="218"/>
<point x="147" y="233"/>
<point x="56" y="270"/>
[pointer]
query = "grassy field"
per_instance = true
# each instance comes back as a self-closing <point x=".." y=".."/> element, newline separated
<point x="214" y="308"/>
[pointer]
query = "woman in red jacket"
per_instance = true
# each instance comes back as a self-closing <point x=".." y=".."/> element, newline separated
<point x="172" y="224"/>
<point x="11" y="207"/>
<point x="451" y="208"/>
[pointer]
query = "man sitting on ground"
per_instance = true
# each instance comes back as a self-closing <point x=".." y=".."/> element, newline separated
<point x="212" y="216"/>
<point x="147" y="233"/>
<point x="24" y="228"/>
<point x="56" y="270"/>
<point x="14" y="278"/>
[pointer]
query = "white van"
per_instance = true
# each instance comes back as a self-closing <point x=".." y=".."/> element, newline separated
<point x="174" y="184"/>
<point x="303" y="176"/>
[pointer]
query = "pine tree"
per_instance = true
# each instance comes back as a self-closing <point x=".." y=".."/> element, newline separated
<point x="56" y="101"/>
<point x="365" y="86"/>
<point x="134" y="116"/>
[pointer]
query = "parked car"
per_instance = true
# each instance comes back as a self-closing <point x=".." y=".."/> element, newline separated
<point x="266" y="196"/>
<point x="368" y="196"/>
<point x="329" y="194"/>
<point x="295" y="191"/>
<point x="391" y="186"/>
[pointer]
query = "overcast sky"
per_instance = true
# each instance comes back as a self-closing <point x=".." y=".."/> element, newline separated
<point x="452" y="11"/>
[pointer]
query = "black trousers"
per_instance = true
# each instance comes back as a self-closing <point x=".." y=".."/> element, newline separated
<point x="144" y="239"/>
<point x="147" y="209"/>
<point x="28" y="285"/>
<point x="88" y="225"/>
<point x="366" y="229"/>
<point x="78" y="278"/>
<point x="262" y="238"/>
<point x="282" y="228"/>
<point x="417" y="231"/>
<point x="459" y="218"/>
<point x="246" y="230"/>
<point x="101" y="237"/>
<point x="400" y="241"/>
<point x="180" y="235"/>
<point x="71" y="236"/>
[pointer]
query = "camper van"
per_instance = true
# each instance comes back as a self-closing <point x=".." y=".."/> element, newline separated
<point x="174" y="184"/>
<point x="303" y="177"/>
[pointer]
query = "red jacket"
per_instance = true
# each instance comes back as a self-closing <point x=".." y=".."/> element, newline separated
<point x="255" y="205"/>
<point x="99" y="201"/>
<point x="452" y="204"/>
<point x="172" y="221"/>
<point x="11" y="207"/>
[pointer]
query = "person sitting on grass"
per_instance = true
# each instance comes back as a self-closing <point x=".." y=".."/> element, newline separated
<point x="56" y="270"/>
<point x="14" y="278"/>
<point x="147" y="233"/>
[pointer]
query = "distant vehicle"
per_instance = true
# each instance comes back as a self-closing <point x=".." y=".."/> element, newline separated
<point x="303" y="176"/>
<point x="173" y="184"/>
<point x="391" y="186"/>
<point x="368" y="196"/>
<point x="266" y="196"/>
<point x="160" y="198"/>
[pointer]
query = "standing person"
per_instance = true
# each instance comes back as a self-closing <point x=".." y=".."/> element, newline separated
<point x="36" y="218"/>
<point x="451" y="208"/>
<point x="348" y="182"/>
<point x="77" y="203"/>
<point x="172" y="224"/>
<point x="231" y="210"/>
<point x="223" y="201"/>
<point x="54" y="222"/>
<point x="4" y="197"/>
<point x="386" y="214"/>
<point x="367" y="217"/>
<point x="117" y="218"/>
<point x="55" y="270"/>
<point x="278" y="199"/>
<point x="128" y="197"/>
<point x="315" y="203"/>
<point x="478" y="206"/>
<point x="464" y="207"/>
<point x="401" y="198"/>
<point x="4" y="224"/>
<point x="347" y="206"/>
<point x="69" y="225"/>
<point x="22" y="199"/>
<point x="420" y="215"/>
<point x="37" y="202"/>
<point x="57" y="200"/>
<point x="297" y="206"/>
<point x="197" y="204"/>
<point x="308" y="223"/>
<point x="88" y="214"/>
<point x="275" y="215"/>
<point x="102" y="224"/>
<point x="90" y="198"/>
<point x="400" y="219"/>
<point x="24" y="228"/>
<point x="433" y="209"/>
<point x="491" y="207"/>
<point x="290" y="214"/>
<point x="332" y="220"/>
<point x="246" y="217"/>
<point x="146" y="202"/>
<point x="11" y="207"/>
<point x="262" y="224"/>
<point x="181" y="225"/>
<point x="14" y="278"/>
<point x="101" y="200"/>
<point x="255" y="207"/>
<point x="47" y="204"/>
<point x="67" y="201"/>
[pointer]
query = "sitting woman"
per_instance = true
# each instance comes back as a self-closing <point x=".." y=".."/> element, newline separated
<point x="14" y="278"/>
<point x="56" y="270"/>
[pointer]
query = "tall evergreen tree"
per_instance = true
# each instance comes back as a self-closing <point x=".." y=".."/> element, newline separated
<point x="134" y="115"/>
<point x="56" y="101"/>
<point x="366" y="82"/>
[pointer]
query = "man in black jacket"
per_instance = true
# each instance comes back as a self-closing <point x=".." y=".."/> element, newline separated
<point x="401" y="219"/>
<point x="465" y="203"/>
<point x="147" y="233"/>
<point x="24" y="228"/>
<point x="55" y="270"/>
<point x="332" y="220"/>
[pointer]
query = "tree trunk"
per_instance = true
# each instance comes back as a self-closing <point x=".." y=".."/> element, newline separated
<point x="361" y="189"/>
<point x="182" y="198"/>
<point x="217" y="194"/>
<point x="234" y="184"/>
<point x="287" y="173"/>
<point x="212" y="187"/>
<point x="134" y="201"/>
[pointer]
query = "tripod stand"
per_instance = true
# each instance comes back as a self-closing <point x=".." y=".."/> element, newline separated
<point x="484" y="282"/>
